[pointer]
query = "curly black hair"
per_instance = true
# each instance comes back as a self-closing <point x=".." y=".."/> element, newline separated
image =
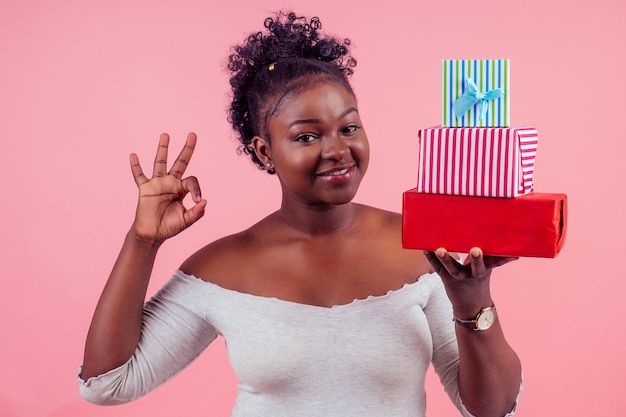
<point x="288" y="56"/>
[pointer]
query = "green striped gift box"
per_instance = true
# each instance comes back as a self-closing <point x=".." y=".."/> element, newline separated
<point x="487" y="74"/>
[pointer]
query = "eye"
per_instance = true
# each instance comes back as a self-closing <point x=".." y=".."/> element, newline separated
<point x="349" y="130"/>
<point x="305" y="137"/>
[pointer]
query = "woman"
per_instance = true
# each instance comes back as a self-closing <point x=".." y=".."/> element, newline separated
<point x="323" y="311"/>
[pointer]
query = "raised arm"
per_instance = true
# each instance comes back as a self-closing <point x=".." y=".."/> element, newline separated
<point x="489" y="370"/>
<point x="116" y="324"/>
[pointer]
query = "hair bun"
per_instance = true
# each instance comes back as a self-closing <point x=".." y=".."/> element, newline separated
<point x="290" y="48"/>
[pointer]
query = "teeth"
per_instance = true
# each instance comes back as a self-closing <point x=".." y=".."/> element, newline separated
<point x="339" y="172"/>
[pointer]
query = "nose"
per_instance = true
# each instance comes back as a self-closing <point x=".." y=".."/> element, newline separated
<point x="334" y="147"/>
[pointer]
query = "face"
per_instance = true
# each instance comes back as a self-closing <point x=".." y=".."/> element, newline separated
<point x="318" y="146"/>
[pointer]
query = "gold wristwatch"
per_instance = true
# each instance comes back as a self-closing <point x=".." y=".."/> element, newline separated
<point x="483" y="320"/>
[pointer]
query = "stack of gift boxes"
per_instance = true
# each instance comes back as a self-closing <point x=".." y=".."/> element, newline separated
<point x="476" y="173"/>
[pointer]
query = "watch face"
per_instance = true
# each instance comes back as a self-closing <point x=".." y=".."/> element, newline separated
<point x="486" y="319"/>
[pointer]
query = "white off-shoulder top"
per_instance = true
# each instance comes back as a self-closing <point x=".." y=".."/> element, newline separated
<point x="365" y="358"/>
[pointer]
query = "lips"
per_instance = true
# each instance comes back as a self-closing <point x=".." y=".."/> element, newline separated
<point x="341" y="171"/>
<point x="337" y="176"/>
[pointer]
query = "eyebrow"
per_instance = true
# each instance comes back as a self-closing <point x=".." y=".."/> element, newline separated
<point x="309" y="121"/>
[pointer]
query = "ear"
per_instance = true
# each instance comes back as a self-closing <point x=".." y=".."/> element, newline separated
<point x="263" y="150"/>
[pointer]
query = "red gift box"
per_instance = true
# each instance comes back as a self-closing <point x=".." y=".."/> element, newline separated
<point x="480" y="161"/>
<point x="532" y="225"/>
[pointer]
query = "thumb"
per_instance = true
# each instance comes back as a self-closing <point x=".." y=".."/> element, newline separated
<point x="195" y="213"/>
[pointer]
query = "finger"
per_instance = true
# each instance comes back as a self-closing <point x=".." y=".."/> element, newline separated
<point x="434" y="261"/>
<point x="181" y="163"/>
<point x="452" y="266"/>
<point x="477" y="262"/>
<point x="160" y="160"/>
<point x="195" y="213"/>
<point x="191" y="185"/>
<point x="138" y="175"/>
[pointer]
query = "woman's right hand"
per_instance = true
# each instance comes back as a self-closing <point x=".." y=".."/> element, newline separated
<point x="160" y="210"/>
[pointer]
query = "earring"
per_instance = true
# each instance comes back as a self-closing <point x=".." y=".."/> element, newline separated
<point x="268" y="165"/>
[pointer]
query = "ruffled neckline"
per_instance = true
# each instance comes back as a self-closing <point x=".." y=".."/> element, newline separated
<point x="370" y="299"/>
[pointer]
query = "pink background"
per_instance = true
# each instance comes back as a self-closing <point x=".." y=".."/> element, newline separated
<point x="83" y="84"/>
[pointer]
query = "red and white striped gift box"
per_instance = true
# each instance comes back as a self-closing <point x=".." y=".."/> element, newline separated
<point x="477" y="161"/>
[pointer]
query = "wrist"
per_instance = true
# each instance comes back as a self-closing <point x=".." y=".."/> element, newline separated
<point x="469" y="309"/>
<point x="141" y="242"/>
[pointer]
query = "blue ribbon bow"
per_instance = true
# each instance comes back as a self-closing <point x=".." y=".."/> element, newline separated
<point x="472" y="96"/>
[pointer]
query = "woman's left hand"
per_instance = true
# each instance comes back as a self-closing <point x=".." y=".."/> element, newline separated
<point x="467" y="283"/>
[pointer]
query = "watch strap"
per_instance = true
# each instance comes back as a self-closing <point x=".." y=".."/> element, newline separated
<point x="472" y="324"/>
<point x="468" y="324"/>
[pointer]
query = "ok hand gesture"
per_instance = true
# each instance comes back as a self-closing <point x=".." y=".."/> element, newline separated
<point x="160" y="210"/>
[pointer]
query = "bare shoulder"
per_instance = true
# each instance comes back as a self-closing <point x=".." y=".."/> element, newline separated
<point x="393" y="221"/>
<point x="385" y="222"/>
<point x="390" y="219"/>
<point x="221" y="260"/>
<point x="387" y="228"/>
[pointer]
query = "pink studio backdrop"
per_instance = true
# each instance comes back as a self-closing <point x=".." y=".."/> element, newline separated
<point x="83" y="84"/>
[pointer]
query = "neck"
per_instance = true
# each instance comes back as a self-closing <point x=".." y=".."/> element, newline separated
<point x="309" y="221"/>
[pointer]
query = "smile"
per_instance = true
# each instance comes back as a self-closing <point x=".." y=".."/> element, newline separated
<point x="337" y="172"/>
<point x="338" y="176"/>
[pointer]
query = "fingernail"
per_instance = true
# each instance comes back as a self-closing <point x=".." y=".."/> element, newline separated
<point x="441" y="252"/>
<point x="475" y="252"/>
